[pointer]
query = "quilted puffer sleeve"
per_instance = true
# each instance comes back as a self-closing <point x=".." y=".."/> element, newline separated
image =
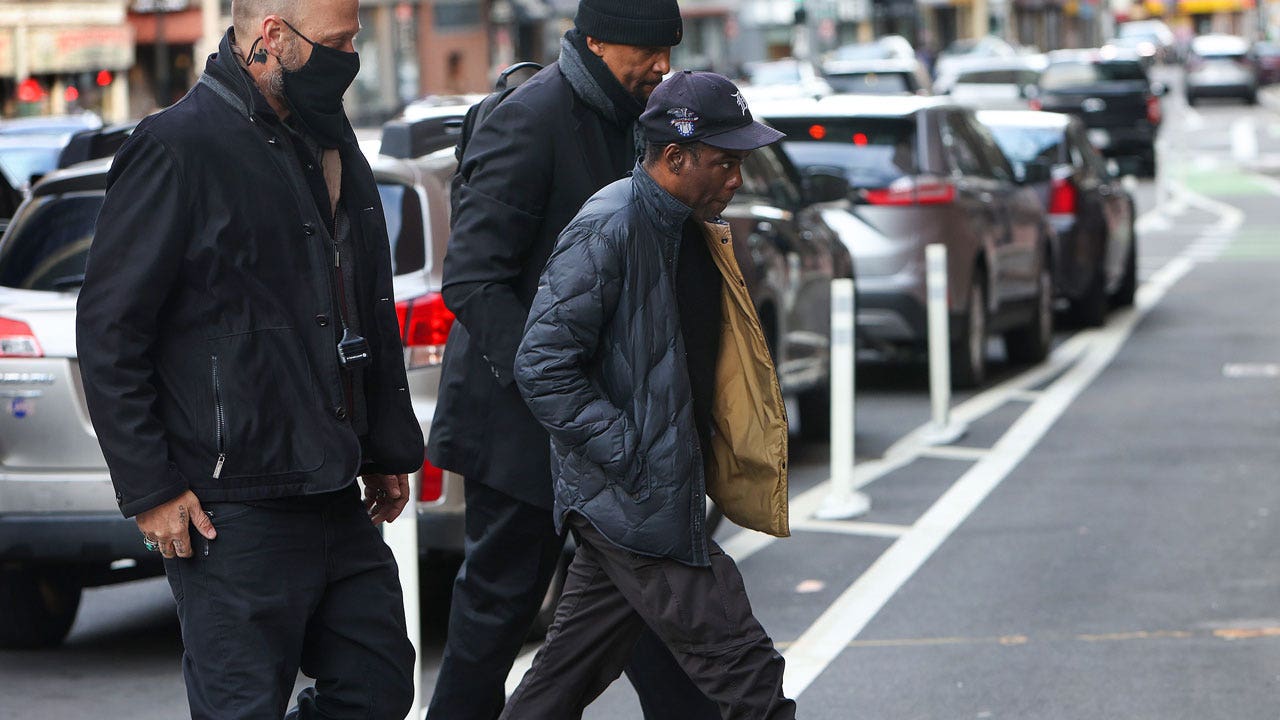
<point x="576" y="296"/>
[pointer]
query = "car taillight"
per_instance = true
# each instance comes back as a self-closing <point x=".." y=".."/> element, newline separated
<point x="923" y="190"/>
<point x="1062" y="197"/>
<point x="432" y="485"/>
<point x="1153" y="110"/>
<point x="1035" y="104"/>
<point x="17" y="340"/>
<point x="424" y="328"/>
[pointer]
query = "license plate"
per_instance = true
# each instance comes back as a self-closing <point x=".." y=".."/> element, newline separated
<point x="1100" y="138"/>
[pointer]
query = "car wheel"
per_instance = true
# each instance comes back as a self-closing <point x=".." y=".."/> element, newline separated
<point x="1191" y="100"/>
<point x="1129" y="282"/>
<point x="1090" y="310"/>
<point x="1147" y="165"/>
<point x="37" y="607"/>
<point x="1251" y="98"/>
<point x="1030" y="344"/>
<point x="969" y="352"/>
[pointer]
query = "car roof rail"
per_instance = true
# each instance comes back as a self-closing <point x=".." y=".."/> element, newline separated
<point x="407" y="139"/>
<point x="94" y="144"/>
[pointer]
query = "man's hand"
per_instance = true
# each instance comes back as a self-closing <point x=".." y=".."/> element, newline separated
<point x="168" y="525"/>
<point x="385" y="496"/>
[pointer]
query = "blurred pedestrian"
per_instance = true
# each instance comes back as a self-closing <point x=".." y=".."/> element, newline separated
<point x="242" y="367"/>
<point x="645" y="360"/>
<point x="528" y="167"/>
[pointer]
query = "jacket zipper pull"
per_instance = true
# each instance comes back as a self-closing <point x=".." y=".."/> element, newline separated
<point x="217" y="469"/>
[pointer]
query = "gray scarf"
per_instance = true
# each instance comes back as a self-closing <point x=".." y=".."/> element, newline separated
<point x="588" y="87"/>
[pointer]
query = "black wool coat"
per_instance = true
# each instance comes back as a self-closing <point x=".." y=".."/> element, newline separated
<point x="207" y="325"/>
<point x="529" y="167"/>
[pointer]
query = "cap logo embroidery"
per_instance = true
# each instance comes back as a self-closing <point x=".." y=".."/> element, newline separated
<point x="742" y="102"/>
<point x="683" y="120"/>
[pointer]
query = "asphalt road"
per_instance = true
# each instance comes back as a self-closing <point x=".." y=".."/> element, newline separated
<point x="1100" y="544"/>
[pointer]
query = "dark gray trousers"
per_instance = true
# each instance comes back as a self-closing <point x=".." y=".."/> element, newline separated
<point x="314" y="587"/>
<point x="701" y="613"/>
<point x="512" y="551"/>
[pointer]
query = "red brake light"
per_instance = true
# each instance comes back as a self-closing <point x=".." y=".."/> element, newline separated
<point x="1035" y="104"/>
<point x="17" y="340"/>
<point x="424" y="326"/>
<point x="1062" y="197"/>
<point x="859" y="139"/>
<point x="432" y="485"/>
<point x="923" y="190"/>
<point x="817" y="132"/>
<point x="1153" y="110"/>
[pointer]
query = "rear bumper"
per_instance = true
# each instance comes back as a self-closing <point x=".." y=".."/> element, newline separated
<point x="1222" y="89"/>
<point x="83" y="538"/>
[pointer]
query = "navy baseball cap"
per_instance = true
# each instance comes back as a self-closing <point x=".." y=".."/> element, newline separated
<point x="703" y="107"/>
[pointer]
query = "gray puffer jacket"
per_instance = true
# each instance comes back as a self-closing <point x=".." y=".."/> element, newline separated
<point x="602" y="367"/>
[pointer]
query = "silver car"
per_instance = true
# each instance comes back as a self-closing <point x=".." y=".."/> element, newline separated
<point x="1221" y="66"/>
<point x="60" y="527"/>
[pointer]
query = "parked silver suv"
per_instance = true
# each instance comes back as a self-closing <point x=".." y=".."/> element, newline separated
<point x="60" y="527"/>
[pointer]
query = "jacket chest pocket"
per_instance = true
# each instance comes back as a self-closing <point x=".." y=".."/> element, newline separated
<point x="265" y="410"/>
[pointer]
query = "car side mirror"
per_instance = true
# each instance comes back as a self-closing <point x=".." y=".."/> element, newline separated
<point x="1033" y="173"/>
<point x="821" y="186"/>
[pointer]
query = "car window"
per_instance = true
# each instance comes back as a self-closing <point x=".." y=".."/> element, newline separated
<point x="783" y="189"/>
<point x="1028" y="145"/>
<point x="1085" y="155"/>
<point x="989" y="77"/>
<point x="1073" y="74"/>
<point x="403" y="212"/>
<point x="872" y="83"/>
<point x="991" y="152"/>
<point x="960" y="148"/>
<point x="869" y="152"/>
<point x="47" y="246"/>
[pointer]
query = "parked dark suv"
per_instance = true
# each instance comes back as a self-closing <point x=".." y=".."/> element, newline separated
<point x="923" y="171"/>
<point x="1109" y="90"/>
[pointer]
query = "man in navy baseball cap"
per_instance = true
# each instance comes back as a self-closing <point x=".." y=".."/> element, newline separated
<point x="644" y="359"/>
<point x="703" y="107"/>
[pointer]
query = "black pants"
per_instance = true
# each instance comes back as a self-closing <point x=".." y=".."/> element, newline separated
<point x="701" y="614"/>
<point x="511" y="553"/>
<point x="311" y="587"/>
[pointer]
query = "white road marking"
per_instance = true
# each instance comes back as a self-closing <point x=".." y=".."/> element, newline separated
<point x="828" y="636"/>
<point x="955" y="452"/>
<point x="851" y="527"/>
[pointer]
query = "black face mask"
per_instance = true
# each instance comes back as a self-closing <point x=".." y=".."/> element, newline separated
<point x="314" y="91"/>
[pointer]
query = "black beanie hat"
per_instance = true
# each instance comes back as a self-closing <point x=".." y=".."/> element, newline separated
<point x="643" y="23"/>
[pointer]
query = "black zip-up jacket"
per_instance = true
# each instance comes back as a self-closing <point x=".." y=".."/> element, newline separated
<point x="207" y="325"/>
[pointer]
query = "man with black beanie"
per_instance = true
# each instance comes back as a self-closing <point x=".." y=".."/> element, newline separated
<point x="528" y="168"/>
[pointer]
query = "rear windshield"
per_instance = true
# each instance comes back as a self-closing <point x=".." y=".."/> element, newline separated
<point x="869" y="152"/>
<point x="48" y="244"/>
<point x="1074" y="74"/>
<point x="1027" y="145"/>
<point x="996" y="77"/>
<point x="871" y="83"/>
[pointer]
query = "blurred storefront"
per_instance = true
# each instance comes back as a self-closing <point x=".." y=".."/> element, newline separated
<point x="58" y="57"/>
<point x="1200" y="17"/>
<point x="167" y="33"/>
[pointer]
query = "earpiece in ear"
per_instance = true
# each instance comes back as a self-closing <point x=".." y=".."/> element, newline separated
<point x="256" y="54"/>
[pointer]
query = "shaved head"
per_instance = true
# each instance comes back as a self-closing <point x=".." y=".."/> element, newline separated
<point x="247" y="15"/>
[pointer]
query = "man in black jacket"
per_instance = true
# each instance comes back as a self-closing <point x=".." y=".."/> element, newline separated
<point x="529" y="166"/>
<point x="645" y="361"/>
<point x="242" y="365"/>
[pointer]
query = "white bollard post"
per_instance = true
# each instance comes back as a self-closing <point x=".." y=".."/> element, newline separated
<point x="843" y="502"/>
<point x="402" y="537"/>
<point x="941" y="430"/>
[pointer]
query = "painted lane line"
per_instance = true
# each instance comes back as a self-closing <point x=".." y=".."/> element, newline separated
<point x="953" y="452"/>
<point x="831" y="633"/>
<point x="852" y="527"/>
